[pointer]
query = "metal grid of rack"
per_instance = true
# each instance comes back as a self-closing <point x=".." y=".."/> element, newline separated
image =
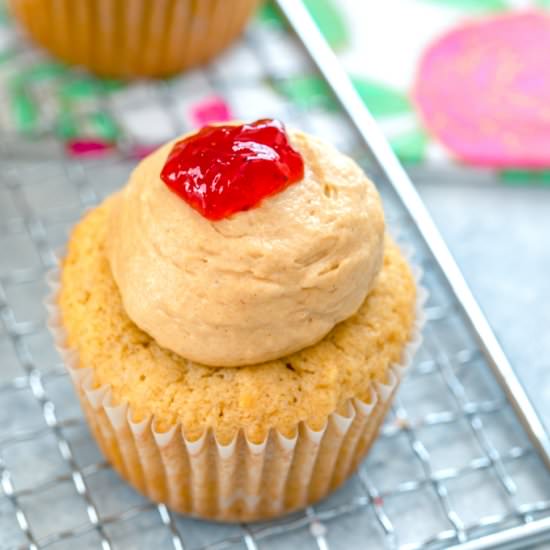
<point x="452" y="466"/>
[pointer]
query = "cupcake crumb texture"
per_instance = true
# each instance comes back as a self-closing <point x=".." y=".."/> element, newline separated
<point x="305" y="386"/>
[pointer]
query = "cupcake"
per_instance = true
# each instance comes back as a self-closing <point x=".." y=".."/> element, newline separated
<point x="135" y="38"/>
<point x="236" y="321"/>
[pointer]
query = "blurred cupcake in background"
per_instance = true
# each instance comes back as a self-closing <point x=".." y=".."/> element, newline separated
<point x="137" y="38"/>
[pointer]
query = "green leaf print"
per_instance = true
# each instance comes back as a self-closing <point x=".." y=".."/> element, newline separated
<point x="86" y="87"/>
<point x="104" y="126"/>
<point x="77" y="89"/>
<point x="473" y="5"/>
<point x="525" y="177"/>
<point x="330" y="21"/>
<point x="24" y="111"/>
<point x="411" y="146"/>
<point x="269" y="14"/>
<point x="98" y="125"/>
<point x="308" y="91"/>
<point x="7" y="55"/>
<point x="66" y="126"/>
<point x="4" y="15"/>
<point x="107" y="85"/>
<point x="45" y="70"/>
<point x="380" y="99"/>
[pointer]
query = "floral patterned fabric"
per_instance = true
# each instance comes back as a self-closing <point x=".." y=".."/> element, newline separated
<point x="448" y="80"/>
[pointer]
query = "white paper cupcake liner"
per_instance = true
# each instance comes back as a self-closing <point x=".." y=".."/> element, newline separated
<point x="241" y="481"/>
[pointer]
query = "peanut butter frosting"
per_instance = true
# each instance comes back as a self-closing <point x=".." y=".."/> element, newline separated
<point x="258" y="285"/>
<point x="306" y="386"/>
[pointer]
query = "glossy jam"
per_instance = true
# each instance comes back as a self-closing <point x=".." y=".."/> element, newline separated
<point x="222" y="170"/>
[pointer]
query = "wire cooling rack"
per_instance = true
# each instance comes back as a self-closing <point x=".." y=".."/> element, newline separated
<point x="453" y="466"/>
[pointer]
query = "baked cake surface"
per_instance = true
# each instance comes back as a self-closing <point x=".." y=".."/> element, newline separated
<point x="305" y="386"/>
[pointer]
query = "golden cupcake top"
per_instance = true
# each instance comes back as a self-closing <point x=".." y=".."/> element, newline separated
<point x="306" y="386"/>
<point x="293" y="252"/>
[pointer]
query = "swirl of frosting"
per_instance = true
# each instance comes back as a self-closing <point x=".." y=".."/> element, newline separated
<point x="255" y="286"/>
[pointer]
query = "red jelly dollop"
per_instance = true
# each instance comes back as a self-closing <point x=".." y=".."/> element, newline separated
<point x="221" y="170"/>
